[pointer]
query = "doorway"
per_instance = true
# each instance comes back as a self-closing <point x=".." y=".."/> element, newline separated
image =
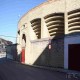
<point x="23" y="56"/>
<point x="74" y="56"/>
<point x="23" y="48"/>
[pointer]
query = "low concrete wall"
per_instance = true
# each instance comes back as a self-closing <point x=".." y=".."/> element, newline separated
<point x="43" y="56"/>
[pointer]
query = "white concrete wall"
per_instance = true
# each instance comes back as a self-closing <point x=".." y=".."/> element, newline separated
<point x="40" y="12"/>
<point x="72" y="4"/>
<point x="37" y="49"/>
<point x="67" y="41"/>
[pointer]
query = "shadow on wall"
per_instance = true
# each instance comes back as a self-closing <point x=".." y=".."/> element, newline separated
<point x="19" y="57"/>
<point x="53" y="57"/>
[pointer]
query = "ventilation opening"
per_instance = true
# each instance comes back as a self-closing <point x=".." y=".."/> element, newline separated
<point x="74" y="21"/>
<point x="36" y="25"/>
<point x="23" y="40"/>
<point x="19" y="32"/>
<point x="55" y="24"/>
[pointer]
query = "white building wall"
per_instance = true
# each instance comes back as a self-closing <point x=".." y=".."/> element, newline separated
<point x="40" y="12"/>
<point x="37" y="49"/>
<point x="72" y="4"/>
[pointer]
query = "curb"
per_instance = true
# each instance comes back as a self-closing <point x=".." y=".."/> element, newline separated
<point x="53" y="69"/>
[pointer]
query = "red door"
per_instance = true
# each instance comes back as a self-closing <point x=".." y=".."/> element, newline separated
<point x="23" y="56"/>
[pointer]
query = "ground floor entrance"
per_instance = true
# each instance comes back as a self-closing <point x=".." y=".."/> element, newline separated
<point x="23" y="56"/>
<point x="74" y="56"/>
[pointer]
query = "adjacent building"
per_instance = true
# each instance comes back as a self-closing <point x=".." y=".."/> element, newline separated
<point x="3" y="44"/>
<point x="11" y="51"/>
<point x="49" y="35"/>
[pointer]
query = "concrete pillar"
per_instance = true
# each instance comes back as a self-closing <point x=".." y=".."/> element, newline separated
<point x="31" y="32"/>
<point x="66" y="32"/>
<point x="44" y="29"/>
<point x="18" y="43"/>
<point x="66" y="19"/>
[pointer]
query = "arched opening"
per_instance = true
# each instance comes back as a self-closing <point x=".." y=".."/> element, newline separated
<point x="23" y="48"/>
<point x="23" y="41"/>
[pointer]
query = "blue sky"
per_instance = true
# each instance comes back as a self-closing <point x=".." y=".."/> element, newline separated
<point x="10" y="13"/>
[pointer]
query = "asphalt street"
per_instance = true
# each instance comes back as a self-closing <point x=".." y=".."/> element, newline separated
<point x="10" y="70"/>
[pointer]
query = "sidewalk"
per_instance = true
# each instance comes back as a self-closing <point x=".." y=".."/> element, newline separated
<point x="69" y="73"/>
<point x="56" y="69"/>
<point x="73" y="72"/>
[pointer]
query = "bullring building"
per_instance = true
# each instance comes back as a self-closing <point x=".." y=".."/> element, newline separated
<point x="49" y="35"/>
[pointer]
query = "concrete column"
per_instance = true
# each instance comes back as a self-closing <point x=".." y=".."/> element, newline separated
<point x="66" y="32"/>
<point x="66" y="19"/>
<point x="65" y="54"/>
<point x="19" y="46"/>
<point x="31" y="32"/>
<point x="44" y="29"/>
<point x="18" y="43"/>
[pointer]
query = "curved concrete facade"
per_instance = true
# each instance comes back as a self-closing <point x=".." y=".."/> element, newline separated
<point x="49" y="20"/>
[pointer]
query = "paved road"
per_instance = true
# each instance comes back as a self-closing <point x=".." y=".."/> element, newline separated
<point x="10" y="70"/>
